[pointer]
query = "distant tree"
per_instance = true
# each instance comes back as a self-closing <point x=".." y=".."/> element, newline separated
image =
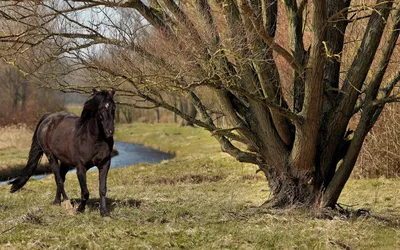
<point x="289" y="76"/>
<point x="189" y="109"/>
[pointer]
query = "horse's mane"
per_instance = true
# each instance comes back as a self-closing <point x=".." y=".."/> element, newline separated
<point x="91" y="106"/>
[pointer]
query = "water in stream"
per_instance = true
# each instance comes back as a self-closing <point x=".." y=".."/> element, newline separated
<point x="128" y="154"/>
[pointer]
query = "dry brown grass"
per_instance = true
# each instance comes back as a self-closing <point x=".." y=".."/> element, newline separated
<point x="15" y="136"/>
<point x="14" y="147"/>
<point x="15" y="141"/>
<point x="185" y="179"/>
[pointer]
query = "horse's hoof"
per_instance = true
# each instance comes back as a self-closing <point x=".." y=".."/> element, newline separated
<point x="57" y="203"/>
<point x="80" y="209"/>
<point x="105" y="213"/>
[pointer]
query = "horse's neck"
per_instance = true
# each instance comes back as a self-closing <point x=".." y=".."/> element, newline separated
<point x="92" y="129"/>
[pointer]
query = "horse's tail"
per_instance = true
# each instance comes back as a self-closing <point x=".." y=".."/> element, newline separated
<point x="35" y="154"/>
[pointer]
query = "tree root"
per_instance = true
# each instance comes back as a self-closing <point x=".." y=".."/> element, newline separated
<point x="339" y="212"/>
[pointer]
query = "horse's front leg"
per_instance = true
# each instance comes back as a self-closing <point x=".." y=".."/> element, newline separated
<point x="81" y="172"/>
<point x="103" y="172"/>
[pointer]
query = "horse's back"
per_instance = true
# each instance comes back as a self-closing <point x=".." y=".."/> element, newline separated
<point x="58" y="121"/>
<point x="57" y="130"/>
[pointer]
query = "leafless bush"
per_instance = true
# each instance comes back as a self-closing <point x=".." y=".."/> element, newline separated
<point x="22" y="102"/>
<point x="380" y="155"/>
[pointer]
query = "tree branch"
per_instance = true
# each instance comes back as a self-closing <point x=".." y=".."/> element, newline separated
<point x="296" y="118"/>
<point x="268" y="40"/>
<point x="354" y="80"/>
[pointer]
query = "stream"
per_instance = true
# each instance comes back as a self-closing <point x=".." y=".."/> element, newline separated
<point x="128" y="154"/>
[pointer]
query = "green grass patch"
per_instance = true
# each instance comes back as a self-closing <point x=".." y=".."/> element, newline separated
<point x="172" y="138"/>
<point x="13" y="156"/>
<point x="76" y="109"/>
<point x="202" y="199"/>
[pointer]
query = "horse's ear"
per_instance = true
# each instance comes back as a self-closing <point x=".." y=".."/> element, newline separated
<point x="112" y="92"/>
<point x="94" y="90"/>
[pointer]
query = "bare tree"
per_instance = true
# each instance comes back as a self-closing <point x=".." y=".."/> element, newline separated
<point x="21" y="102"/>
<point x="288" y="92"/>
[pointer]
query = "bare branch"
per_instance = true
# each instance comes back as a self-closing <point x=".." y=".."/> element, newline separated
<point x="296" y="118"/>
<point x="268" y="40"/>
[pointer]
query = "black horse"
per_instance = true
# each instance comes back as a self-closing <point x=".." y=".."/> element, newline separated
<point x="70" y="141"/>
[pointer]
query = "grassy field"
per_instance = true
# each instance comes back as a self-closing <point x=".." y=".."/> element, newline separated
<point x="14" y="144"/>
<point x="202" y="199"/>
<point x="15" y="141"/>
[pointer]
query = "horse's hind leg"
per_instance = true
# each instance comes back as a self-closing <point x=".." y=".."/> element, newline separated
<point x="63" y="171"/>
<point x="59" y="180"/>
<point x="81" y="171"/>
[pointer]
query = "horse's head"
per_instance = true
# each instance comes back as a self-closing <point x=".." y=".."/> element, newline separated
<point x="106" y="112"/>
<point x="102" y="107"/>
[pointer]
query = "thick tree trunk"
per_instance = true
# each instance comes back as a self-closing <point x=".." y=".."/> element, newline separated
<point x="288" y="191"/>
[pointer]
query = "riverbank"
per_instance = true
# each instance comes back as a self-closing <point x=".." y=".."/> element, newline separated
<point x="201" y="199"/>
